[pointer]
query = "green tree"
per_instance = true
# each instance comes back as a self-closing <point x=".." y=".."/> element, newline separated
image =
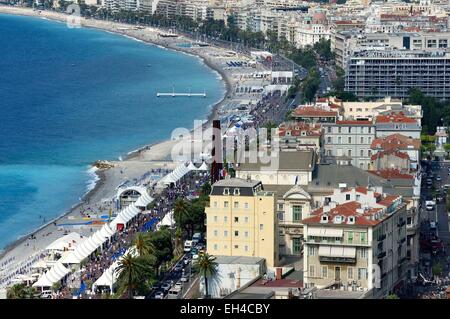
<point x="392" y="296"/>
<point x="207" y="268"/>
<point x="143" y="244"/>
<point x="132" y="271"/>
<point x="162" y="241"/>
<point x="21" y="291"/>
<point x="437" y="269"/>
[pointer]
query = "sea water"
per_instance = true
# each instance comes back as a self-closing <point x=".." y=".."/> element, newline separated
<point x="70" y="96"/>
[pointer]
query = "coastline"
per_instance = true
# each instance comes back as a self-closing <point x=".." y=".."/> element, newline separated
<point x="160" y="150"/>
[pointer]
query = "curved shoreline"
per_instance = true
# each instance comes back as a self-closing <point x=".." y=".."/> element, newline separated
<point x="102" y="178"/>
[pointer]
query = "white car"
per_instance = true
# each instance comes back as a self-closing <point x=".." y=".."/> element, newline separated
<point x="184" y="278"/>
<point x="188" y="245"/>
<point x="159" y="295"/>
<point x="46" y="294"/>
<point x="178" y="285"/>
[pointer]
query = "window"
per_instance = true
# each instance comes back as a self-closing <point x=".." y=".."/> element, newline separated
<point x="362" y="140"/>
<point x="370" y="131"/>
<point x="246" y="248"/>
<point x="225" y="204"/>
<point x="246" y="219"/>
<point x="296" y="245"/>
<point x="236" y="219"/>
<point x="215" y="218"/>
<point x="329" y="139"/>
<point x="350" y="237"/>
<point x="226" y="191"/>
<point x="349" y="140"/>
<point x="215" y="204"/>
<point x="236" y="233"/>
<point x="362" y="273"/>
<point x="225" y="233"/>
<point x="311" y="271"/>
<point x="236" y="246"/>
<point x="329" y="129"/>
<point x="339" y="130"/>
<point x="363" y="253"/>
<point x="236" y="191"/>
<point x="246" y="205"/>
<point x="216" y="233"/>
<point x="349" y="129"/>
<point x="362" y="153"/>
<point x="261" y="226"/>
<point x="347" y="196"/>
<point x="215" y="246"/>
<point x="225" y="219"/>
<point x="363" y="238"/>
<point x="280" y="207"/>
<point x="349" y="153"/>
<point x="339" y="140"/>
<point x="350" y="273"/>
<point x="297" y="213"/>
<point x="236" y="205"/>
<point x="311" y="250"/>
<point x="246" y="234"/>
<point x="324" y="271"/>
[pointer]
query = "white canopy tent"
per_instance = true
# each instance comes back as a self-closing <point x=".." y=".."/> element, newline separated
<point x="203" y="167"/>
<point x="110" y="275"/>
<point x="144" y="200"/>
<point x="192" y="167"/>
<point x="52" y="276"/>
<point x="68" y="241"/>
<point x="168" y="220"/>
<point x="176" y="174"/>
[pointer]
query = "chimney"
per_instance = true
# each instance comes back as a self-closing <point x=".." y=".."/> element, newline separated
<point x="216" y="152"/>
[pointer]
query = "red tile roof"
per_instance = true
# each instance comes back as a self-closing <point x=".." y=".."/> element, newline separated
<point x="395" y="142"/>
<point x="394" y="118"/>
<point x="391" y="152"/>
<point x="391" y="174"/>
<point x="296" y="129"/>
<point x="346" y="209"/>
<point x="312" y="111"/>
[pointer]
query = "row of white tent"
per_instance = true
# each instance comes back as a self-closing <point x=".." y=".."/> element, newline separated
<point x="180" y="171"/>
<point x="91" y="244"/>
<point x="110" y="275"/>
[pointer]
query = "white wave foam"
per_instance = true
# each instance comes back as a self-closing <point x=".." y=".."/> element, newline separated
<point x="92" y="182"/>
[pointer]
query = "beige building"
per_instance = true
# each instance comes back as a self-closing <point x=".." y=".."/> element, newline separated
<point x="357" y="242"/>
<point x="241" y="221"/>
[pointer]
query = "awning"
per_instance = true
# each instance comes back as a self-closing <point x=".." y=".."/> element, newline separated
<point x="107" y="231"/>
<point x="203" y="167"/>
<point x="65" y="242"/>
<point x="325" y="232"/>
<point x="143" y="200"/>
<point x="337" y="251"/>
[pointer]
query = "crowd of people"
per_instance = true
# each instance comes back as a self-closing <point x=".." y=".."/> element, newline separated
<point x="121" y="241"/>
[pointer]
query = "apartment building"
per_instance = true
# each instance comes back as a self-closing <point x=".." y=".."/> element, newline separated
<point x="350" y="139"/>
<point x="380" y="73"/>
<point x="357" y="242"/>
<point x="300" y="135"/>
<point x="398" y="123"/>
<point x="400" y="143"/>
<point x="285" y="167"/>
<point x="347" y="42"/>
<point x="241" y="220"/>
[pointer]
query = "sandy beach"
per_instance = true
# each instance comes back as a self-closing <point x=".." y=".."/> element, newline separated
<point x="137" y="163"/>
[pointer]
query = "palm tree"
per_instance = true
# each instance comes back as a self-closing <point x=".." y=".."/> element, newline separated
<point x="131" y="271"/>
<point x="206" y="267"/>
<point x="180" y="212"/>
<point x="143" y="244"/>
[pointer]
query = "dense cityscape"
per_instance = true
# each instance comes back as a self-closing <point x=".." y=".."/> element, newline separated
<point x="346" y="106"/>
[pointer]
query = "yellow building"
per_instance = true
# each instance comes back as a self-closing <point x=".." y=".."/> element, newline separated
<point x="241" y="221"/>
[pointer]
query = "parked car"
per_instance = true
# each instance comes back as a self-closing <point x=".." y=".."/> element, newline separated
<point x="188" y="245"/>
<point x="438" y="178"/>
<point x="179" y="285"/>
<point x="166" y="286"/>
<point x="184" y="278"/>
<point x="159" y="294"/>
<point x="178" y="267"/>
<point x="46" y="294"/>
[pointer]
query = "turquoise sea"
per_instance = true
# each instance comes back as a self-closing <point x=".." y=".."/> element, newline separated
<point x="71" y="96"/>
